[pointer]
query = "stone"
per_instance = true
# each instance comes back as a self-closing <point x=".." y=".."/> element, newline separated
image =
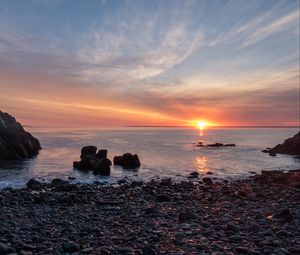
<point x="185" y="216"/>
<point x="241" y="250"/>
<point x="127" y="161"/>
<point x="194" y="174"/>
<point x="70" y="247"/>
<point x="15" y="142"/>
<point x="102" y="167"/>
<point x="5" y="249"/>
<point x="163" y="198"/>
<point x="62" y="185"/>
<point x="101" y="154"/>
<point x="230" y="145"/>
<point x="283" y="215"/>
<point x="88" y="150"/>
<point x="33" y="184"/>
<point x="207" y="180"/>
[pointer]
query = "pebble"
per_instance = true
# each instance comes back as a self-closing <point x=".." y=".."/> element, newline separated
<point x="70" y="247"/>
<point x="5" y="249"/>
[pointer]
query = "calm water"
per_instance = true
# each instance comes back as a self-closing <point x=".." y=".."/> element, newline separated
<point x="164" y="152"/>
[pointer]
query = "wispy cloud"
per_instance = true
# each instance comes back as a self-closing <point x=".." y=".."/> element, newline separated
<point x="286" y="23"/>
<point x="168" y="60"/>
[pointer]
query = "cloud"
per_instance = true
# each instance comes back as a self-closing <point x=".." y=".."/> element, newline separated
<point x="170" y="62"/>
<point x="284" y="23"/>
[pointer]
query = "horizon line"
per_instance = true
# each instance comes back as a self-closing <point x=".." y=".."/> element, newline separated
<point x="233" y="126"/>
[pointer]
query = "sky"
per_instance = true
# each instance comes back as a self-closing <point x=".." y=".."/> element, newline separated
<point x="99" y="63"/>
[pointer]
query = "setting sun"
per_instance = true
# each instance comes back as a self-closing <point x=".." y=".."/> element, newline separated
<point x="201" y="124"/>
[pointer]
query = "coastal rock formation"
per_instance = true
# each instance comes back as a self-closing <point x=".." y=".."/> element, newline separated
<point x="216" y="145"/>
<point x="91" y="160"/>
<point x="127" y="161"/>
<point x="15" y="142"/>
<point x="290" y="146"/>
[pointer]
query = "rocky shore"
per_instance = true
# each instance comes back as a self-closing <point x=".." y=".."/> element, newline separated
<point x="258" y="215"/>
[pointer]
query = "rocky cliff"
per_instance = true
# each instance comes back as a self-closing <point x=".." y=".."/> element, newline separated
<point x="15" y="142"/>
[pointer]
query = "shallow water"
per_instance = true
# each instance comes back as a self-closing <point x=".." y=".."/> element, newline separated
<point x="164" y="152"/>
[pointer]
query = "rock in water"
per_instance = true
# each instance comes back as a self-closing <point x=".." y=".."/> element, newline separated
<point x="88" y="150"/>
<point x="15" y="142"/>
<point x="127" y="161"/>
<point x="101" y="154"/>
<point x="290" y="146"/>
<point x="102" y="167"/>
<point x="92" y="161"/>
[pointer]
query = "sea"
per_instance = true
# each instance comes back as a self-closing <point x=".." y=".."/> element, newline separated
<point x="163" y="152"/>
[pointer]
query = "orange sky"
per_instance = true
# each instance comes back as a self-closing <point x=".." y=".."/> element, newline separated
<point x="175" y="66"/>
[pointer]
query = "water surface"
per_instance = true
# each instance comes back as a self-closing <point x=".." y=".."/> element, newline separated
<point x="164" y="152"/>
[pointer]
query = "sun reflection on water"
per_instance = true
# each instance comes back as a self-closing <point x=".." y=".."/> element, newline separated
<point x="202" y="164"/>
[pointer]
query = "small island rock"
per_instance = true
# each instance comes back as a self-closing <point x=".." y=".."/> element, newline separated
<point x="127" y="161"/>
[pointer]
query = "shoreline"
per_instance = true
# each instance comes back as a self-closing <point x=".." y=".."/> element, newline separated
<point x="257" y="215"/>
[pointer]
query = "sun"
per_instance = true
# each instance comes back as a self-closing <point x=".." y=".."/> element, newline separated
<point x="201" y="124"/>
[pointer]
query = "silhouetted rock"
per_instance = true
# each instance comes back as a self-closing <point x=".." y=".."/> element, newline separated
<point x="88" y="150"/>
<point x="230" y="145"/>
<point x="215" y="145"/>
<point x="194" y="174"/>
<point x="290" y="146"/>
<point x="92" y="161"/>
<point x="101" y="154"/>
<point x="128" y="161"/>
<point x="102" y="167"/>
<point x="15" y="142"/>
<point x="33" y="184"/>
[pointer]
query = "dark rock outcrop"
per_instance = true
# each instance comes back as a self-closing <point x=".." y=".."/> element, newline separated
<point x="102" y="167"/>
<point x="91" y="160"/>
<point x="290" y="146"/>
<point x="215" y="145"/>
<point x="88" y="150"/>
<point x="15" y="142"/>
<point x="33" y="184"/>
<point x="127" y="161"/>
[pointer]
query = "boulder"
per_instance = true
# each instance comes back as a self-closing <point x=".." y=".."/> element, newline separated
<point x="15" y="142"/>
<point x="33" y="184"/>
<point x="91" y="160"/>
<point x="127" y="161"/>
<point x="70" y="247"/>
<point x="290" y="146"/>
<point x="101" y="154"/>
<point x="102" y="167"/>
<point x="88" y="150"/>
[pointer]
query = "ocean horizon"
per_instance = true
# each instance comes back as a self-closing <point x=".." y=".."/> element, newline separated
<point x="164" y="152"/>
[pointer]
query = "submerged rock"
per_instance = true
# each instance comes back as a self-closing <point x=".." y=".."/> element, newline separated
<point x="15" y="142"/>
<point x="127" y="161"/>
<point x="215" y="145"/>
<point x="290" y="146"/>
